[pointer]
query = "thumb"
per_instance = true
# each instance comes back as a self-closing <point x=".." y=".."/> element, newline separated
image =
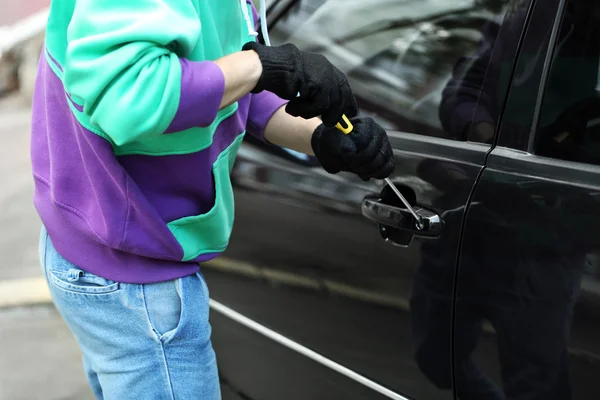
<point x="338" y="143"/>
<point x="365" y="132"/>
<point x="305" y="107"/>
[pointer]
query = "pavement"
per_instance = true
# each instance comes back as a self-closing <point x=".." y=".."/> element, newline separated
<point x="39" y="358"/>
<point x="19" y="221"/>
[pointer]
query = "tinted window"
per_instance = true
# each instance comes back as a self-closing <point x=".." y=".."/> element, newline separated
<point x="416" y="65"/>
<point x="569" y="122"/>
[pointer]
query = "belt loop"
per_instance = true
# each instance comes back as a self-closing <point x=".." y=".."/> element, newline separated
<point x="74" y="274"/>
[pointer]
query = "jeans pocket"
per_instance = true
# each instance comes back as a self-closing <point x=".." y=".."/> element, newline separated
<point x="68" y="277"/>
<point x="78" y="281"/>
<point x="164" y="306"/>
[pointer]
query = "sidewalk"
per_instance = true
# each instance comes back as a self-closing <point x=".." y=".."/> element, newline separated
<point x="19" y="223"/>
<point x="40" y="359"/>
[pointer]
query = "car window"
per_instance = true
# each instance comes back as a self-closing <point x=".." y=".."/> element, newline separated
<point x="417" y="66"/>
<point x="569" y="117"/>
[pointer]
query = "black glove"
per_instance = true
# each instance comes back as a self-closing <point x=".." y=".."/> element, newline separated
<point x="366" y="151"/>
<point x="324" y="90"/>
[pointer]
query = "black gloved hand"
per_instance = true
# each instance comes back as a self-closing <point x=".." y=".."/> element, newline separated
<point x="366" y="151"/>
<point x="324" y="90"/>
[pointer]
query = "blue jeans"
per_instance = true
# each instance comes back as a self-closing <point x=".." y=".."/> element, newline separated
<point x="149" y="341"/>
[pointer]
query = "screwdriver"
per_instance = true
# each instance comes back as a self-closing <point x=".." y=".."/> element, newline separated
<point x="347" y="130"/>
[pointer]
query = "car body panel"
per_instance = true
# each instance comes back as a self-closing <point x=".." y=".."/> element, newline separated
<point x="528" y="271"/>
<point x="306" y="264"/>
<point x="300" y="232"/>
<point x="343" y="260"/>
<point x="530" y="278"/>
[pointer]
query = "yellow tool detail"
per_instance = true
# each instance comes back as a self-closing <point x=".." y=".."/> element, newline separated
<point x="345" y="129"/>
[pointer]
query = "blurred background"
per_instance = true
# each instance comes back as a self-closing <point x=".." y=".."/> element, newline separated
<point x="39" y="358"/>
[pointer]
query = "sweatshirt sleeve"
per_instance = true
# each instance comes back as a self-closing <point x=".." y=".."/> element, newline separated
<point x="122" y="66"/>
<point x="262" y="105"/>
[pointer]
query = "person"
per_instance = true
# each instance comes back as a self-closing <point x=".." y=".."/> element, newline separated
<point x="139" y="110"/>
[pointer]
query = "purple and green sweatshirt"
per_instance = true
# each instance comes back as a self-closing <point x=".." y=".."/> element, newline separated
<point x="131" y="154"/>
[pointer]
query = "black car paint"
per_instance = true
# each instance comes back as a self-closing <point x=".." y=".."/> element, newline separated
<point x="318" y="272"/>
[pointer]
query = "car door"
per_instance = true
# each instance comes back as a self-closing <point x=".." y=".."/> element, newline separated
<point x="527" y="322"/>
<point x="310" y="301"/>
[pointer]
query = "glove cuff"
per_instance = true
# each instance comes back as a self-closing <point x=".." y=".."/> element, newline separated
<point x="279" y="69"/>
<point x="330" y="165"/>
<point x="314" y="140"/>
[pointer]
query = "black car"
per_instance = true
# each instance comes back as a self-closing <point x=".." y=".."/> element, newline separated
<point x="332" y="289"/>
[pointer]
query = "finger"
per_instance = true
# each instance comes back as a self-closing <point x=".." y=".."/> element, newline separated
<point x="333" y="115"/>
<point x="351" y="107"/>
<point x="369" y="143"/>
<point x="338" y="143"/>
<point x="331" y="164"/>
<point x="375" y="162"/>
<point x="341" y="104"/>
<point x="370" y="168"/>
<point x="307" y="107"/>
<point x="335" y="109"/>
<point x="386" y="170"/>
<point x="386" y="164"/>
<point x="378" y="171"/>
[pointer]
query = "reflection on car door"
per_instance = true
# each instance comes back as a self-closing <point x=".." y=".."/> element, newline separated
<point x="315" y="269"/>
<point x="528" y="294"/>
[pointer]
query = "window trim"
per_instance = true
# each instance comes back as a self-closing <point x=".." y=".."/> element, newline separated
<point x="464" y="152"/>
<point x="545" y="75"/>
<point x="523" y="163"/>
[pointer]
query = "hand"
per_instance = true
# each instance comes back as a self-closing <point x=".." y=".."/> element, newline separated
<point x="366" y="151"/>
<point x="324" y="89"/>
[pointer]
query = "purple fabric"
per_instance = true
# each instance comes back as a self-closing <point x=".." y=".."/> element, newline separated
<point x="255" y="15"/>
<point x="202" y="88"/>
<point x="53" y="60"/>
<point x="77" y="106"/>
<point x="263" y="104"/>
<point x="262" y="108"/>
<point x="94" y="212"/>
<point x="182" y="185"/>
<point x="109" y="214"/>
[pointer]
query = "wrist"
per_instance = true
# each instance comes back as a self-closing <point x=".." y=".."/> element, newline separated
<point x="252" y="59"/>
<point x="241" y="70"/>
<point x="251" y="50"/>
<point x="278" y="69"/>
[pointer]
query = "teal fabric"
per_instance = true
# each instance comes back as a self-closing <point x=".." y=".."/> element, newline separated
<point x="119" y="62"/>
<point x="209" y="233"/>
<point x="99" y="49"/>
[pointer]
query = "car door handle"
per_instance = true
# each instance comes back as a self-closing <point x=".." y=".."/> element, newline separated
<point x="400" y="218"/>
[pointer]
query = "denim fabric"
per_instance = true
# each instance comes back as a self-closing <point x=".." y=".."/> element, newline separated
<point x="148" y="341"/>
